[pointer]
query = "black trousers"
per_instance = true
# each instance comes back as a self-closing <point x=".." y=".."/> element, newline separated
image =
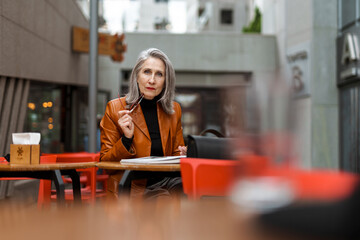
<point x="167" y="186"/>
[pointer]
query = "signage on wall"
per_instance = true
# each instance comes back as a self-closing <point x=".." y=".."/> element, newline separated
<point x="112" y="45"/>
<point x="349" y="55"/>
<point x="299" y="69"/>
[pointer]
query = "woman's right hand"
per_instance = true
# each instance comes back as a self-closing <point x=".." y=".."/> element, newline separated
<point x="126" y="124"/>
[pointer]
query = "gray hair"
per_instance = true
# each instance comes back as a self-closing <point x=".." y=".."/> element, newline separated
<point x="167" y="95"/>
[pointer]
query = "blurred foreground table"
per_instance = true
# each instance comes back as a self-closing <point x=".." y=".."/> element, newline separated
<point x="50" y="171"/>
<point x="126" y="219"/>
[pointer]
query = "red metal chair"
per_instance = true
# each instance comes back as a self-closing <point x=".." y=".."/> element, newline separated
<point x="314" y="184"/>
<point x="208" y="177"/>
<point x="88" y="178"/>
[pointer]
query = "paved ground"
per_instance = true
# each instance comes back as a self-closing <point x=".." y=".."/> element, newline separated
<point x="24" y="192"/>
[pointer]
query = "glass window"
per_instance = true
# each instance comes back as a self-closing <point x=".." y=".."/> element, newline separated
<point x="81" y="133"/>
<point x="226" y="16"/>
<point x="221" y="109"/>
<point x="44" y="115"/>
<point x="60" y="114"/>
<point x="348" y="13"/>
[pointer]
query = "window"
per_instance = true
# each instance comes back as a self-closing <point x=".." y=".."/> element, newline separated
<point x="226" y="16"/>
<point x="161" y="23"/>
<point x="44" y="115"/>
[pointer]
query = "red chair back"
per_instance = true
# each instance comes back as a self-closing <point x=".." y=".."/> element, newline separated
<point x="88" y="176"/>
<point x="314" y="184"/>
<point x="75" y="157"/>
<point x="208" y="177"/>
<point x="2" y="160"/>
<point x="48" y="159"/>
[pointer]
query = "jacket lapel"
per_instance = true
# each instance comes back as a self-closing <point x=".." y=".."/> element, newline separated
<point x="164" y="125"/>
<point x="139" y="121"/>
<point x="163" y="120"/>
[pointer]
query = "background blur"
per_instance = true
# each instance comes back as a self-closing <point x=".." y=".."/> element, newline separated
<point x="241" y="65"/>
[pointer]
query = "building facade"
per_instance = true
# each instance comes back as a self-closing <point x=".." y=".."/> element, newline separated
<point x="348" y="79"/>
<point x="43" y="84"/>
<point x="39" y="73"/>
<point x="306" y="34"/>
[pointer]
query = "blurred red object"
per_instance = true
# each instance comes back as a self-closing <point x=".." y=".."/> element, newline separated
<point x="208" y="177"/>
<point x="312" y="184"/>
<point x="88" y="178"/>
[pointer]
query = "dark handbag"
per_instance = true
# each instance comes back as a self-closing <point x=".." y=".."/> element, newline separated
<point x="209" y="147"/>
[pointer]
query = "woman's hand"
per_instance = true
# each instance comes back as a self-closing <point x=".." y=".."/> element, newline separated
<point x="126" y="124"/>
<point x="183" y="150"/>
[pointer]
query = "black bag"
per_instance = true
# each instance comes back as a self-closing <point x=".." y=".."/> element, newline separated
<point x="209" y="147"/>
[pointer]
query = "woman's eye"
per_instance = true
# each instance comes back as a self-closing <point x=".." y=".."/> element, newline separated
<point x="159" y="74"/>
<point x="146" y="71"/>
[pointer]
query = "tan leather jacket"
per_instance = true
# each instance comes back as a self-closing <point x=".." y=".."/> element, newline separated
<point x="112" y="148"/>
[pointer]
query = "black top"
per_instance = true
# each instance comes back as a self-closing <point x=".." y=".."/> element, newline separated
<point x="149" y="109"/>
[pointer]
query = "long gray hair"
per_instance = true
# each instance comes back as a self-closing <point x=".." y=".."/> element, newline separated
<point x="167" y="94"/>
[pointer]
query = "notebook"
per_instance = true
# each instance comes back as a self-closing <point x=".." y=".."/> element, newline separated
<point x="154" y="160"/>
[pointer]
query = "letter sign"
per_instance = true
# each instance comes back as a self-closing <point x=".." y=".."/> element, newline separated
<point x="350" y="50"/>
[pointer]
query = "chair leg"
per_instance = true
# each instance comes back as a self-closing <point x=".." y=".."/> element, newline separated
<point x="93" y="183"/>
<point x="44" y="195"/>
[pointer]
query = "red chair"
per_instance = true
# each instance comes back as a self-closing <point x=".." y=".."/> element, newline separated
<point x="208" y="177"/>
<point x="314" y="184"/>
<point x="88" y="178"/>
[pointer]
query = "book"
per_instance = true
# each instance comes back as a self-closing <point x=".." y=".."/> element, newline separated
<point x="154" y="160"/>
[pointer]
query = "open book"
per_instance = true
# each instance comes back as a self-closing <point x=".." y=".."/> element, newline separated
<point x="154" y="160"/>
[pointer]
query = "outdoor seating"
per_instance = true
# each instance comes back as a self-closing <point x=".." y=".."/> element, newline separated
<point x="88" y="179"/>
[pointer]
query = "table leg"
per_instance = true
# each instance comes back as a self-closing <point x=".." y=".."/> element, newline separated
<point x="75" y="178"/>
<point x="125" y="182"/>
<point x="60" y="187"/>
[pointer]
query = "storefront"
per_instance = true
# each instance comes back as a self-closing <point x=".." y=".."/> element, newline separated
<point x="60" y="114"/>
<point x="348" y="81"/>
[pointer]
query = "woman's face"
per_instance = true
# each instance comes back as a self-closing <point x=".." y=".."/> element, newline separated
<point x="151" y="77"/>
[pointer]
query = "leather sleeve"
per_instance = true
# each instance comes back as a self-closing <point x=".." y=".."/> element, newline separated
<point x="112" y="148"/>
<point x="179" y="138"/>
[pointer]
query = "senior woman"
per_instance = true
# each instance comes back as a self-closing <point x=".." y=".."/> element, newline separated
<point x="153" y="128"/>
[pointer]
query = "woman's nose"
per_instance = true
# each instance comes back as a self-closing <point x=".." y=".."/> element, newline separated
<point x="152" y="79"/>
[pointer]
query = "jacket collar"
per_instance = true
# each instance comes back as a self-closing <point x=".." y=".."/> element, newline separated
<point x="163" y="120"/>
<point x="137" y="117"/>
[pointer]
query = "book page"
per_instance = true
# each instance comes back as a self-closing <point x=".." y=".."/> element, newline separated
<point x="154" y="160"/>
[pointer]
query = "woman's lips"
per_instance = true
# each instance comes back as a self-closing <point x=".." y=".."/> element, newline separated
<point x="150" y="88"/>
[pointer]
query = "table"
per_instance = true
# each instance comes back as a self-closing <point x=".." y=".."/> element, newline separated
<point x="211" y="219"/>
<point x="139" y="171"/>
<point x="50" y="171"/>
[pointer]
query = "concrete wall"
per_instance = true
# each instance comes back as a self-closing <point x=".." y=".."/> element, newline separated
<point x="310" y="25"/>
<point x="35" y="41"/>
<point x="325" y="133"/>
<point x="298" y="30"/>
<point x="210" y="52"/>
<point x="203" y="59"/>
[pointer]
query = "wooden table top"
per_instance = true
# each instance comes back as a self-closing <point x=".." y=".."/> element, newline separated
<point x="139" y="167"/>
<point x="125" y="219"/>
<point x="6" y="167"/>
